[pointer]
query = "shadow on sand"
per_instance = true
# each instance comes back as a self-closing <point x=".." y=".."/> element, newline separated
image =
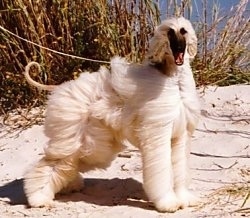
<point x="103" y="192"/>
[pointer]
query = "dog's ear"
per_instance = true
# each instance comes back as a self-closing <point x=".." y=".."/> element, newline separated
<point x="192" y="46"/>
<point x="191" y="39"/>
<point x="159" y="48"/>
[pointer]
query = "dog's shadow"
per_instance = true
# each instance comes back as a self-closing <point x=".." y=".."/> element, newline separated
<point x="103" y="192"/>
<point x="14" y="192"/>
<point x="110" y="192"/>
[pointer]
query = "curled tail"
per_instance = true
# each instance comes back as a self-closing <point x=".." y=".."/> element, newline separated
<point x="33" y="82"/>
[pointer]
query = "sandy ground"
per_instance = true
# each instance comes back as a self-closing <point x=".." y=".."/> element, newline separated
<point x="220" y="169"/>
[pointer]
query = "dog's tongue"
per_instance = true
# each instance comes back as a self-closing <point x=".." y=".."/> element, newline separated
<point x="179" y="58"/>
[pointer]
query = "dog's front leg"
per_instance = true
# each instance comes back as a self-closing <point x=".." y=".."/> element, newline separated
<point x="180" y="153"/>
<point x="157" y="168"/>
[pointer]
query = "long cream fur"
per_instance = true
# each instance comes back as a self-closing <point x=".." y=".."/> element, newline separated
<point x="88" y="120"/>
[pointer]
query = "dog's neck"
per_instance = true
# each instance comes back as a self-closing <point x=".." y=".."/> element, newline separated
<point x="166" y="68"/>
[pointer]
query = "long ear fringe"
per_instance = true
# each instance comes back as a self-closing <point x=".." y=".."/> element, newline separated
<point x="160" y="54"/>
<point x="192" y="48"/>
<point x="159" y="46"/>
<point x="191" y="39"/>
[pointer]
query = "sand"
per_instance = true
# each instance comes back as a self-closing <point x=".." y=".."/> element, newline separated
<point x="219" y="168"/>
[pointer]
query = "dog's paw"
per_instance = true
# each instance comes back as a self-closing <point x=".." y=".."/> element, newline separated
<point x="40" y="200"/>
<point x="186" y="198"/>
<point x="169" y="203"/>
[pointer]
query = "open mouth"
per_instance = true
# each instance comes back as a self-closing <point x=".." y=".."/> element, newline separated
<point x="179" y="58"/>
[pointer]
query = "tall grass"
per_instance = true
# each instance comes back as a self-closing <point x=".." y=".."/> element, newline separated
<point x="103" y="28"/>
<point x="93" y="29"/>
<point x="224" y="56"/>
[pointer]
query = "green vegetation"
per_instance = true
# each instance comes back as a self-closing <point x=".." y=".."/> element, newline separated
<point x="100" y="29"/>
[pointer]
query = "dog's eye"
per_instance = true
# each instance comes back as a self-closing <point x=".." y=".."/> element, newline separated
<point x="183" y="31"/>
<point x="171" y="32"/>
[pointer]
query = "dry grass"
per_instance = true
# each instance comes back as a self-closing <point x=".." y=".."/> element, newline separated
<point x="224" y="47"/>
<point x="92" y="29"/>
<point x="229" y="199"/>
<point x="101" y="29"/>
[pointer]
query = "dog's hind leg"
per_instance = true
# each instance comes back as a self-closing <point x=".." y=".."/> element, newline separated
<point x="49" y="177"/>
<point x="75" y="185"/>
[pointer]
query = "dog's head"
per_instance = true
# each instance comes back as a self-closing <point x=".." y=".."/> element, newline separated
<point x="173" y="39"/>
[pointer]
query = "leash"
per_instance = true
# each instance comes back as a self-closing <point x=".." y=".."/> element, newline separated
<point x="51" y="50"/>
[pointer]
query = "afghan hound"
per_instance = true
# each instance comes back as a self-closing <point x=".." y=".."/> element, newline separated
<point x="153" y="105"/>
